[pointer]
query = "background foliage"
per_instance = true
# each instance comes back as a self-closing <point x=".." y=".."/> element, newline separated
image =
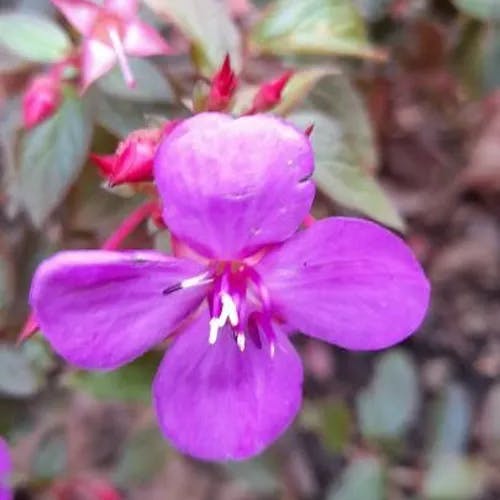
<point x="403" y="96"/>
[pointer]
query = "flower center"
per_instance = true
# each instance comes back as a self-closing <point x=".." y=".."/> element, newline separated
<point x="238" y="299"/>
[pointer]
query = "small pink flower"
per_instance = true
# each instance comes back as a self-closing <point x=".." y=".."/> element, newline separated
<point x="222" y="87"/>
<point x="110" y="32"/>
<point x="269" y="94"/>
<point x="41" y="99"/>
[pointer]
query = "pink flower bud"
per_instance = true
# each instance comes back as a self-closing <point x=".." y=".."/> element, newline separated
<point x="41" y="99"/>
<point x="133" y="159"/>
<point x="269" y="94"/>
<point x="222" y="88"/>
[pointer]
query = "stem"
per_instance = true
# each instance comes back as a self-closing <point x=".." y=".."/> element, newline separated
<point x="129" y="225"/>
<point x="122" y="58"/>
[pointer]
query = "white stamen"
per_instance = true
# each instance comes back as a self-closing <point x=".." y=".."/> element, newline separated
<point x="240" y="340"/>
<point x="229" y="308"/>
<point x="272" y="349"/>
<point x="229" y="312"/>
<point x="122" y="58"/>
<point x="201" y="279"/>
<point x="214" y="331"/>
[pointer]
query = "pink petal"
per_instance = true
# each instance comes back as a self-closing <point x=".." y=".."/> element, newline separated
<point x="82" y="14"/>
<point x="101" y="309"/>
<point x="215" y="402"/>
<point x="97" y="59"/>
<point x="349" y="282"/>
<point x="143" y="40"/>
<point x="5" y="471"/>
<point x="123" y="8"/>
<point x="233" y="185"/>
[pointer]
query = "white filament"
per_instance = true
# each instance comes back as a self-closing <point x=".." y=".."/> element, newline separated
<point x="240" y="340"/>
<point x="229" y="312"/>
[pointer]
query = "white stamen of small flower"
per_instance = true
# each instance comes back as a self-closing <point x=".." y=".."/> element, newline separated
<point x="117" y="44"/>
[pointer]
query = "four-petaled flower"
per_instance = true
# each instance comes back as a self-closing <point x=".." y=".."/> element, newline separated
<point x="5" y="471"/>
<point x="234" y="192"/>
<point x="110" y="32"/>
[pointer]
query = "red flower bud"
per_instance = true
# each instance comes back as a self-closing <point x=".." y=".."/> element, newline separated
<point x="41" y="99"/>
<point x="133" y="159"/>
<point x="222" y="87"/>
<point x="269" y="94"/>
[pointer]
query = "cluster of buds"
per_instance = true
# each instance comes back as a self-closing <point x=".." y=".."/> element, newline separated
<point x="224" y="83"/>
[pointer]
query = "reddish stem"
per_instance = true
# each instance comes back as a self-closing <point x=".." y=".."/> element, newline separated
<point x="129" y="225"/>
<point x="114" y="242"/>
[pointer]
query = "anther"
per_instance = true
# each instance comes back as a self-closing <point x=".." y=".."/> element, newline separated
<point x="201" y="279"/>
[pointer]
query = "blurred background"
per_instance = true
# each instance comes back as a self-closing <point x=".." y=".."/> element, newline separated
<point x="414" y="124"/>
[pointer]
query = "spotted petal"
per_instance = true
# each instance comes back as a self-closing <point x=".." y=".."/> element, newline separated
<point x="349" y="282"/>
<point x="101" y="309"/>
<point x="232" y="185"/>
<point x="215" y="402"/>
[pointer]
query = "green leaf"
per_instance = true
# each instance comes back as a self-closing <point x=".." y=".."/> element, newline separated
<point x="453" y="418"/>
<point x="120" y="116"/>
<point x="313" y="27"/>
<point x="362" y="480"/>
<point x="144" y="456"/>
<point x="18" y="378"/>
<point x="151" y="85"/>
<point x="453" y="478"/>
<point x="336" y="425"/>
<point x="52" y="156"/>
<point x="132" y="383"/>
<point x="485" y="10"/>
<point x="33" y="37"/>
<point x="389" y="405"/>
<point x="258" y="475"/>
<point x="298" y="88"/>
<point x="49" y="460"/>
<point x="469" y="56"/>
<point x="373" y="10"/>
<point x="344" y="149"/>
<point x="491" y="64"/>
<point x="209" y="27"/>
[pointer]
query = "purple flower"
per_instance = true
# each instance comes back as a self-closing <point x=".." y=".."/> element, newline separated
<point x="235" y="192"/>
<point x="5" y="471"/>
